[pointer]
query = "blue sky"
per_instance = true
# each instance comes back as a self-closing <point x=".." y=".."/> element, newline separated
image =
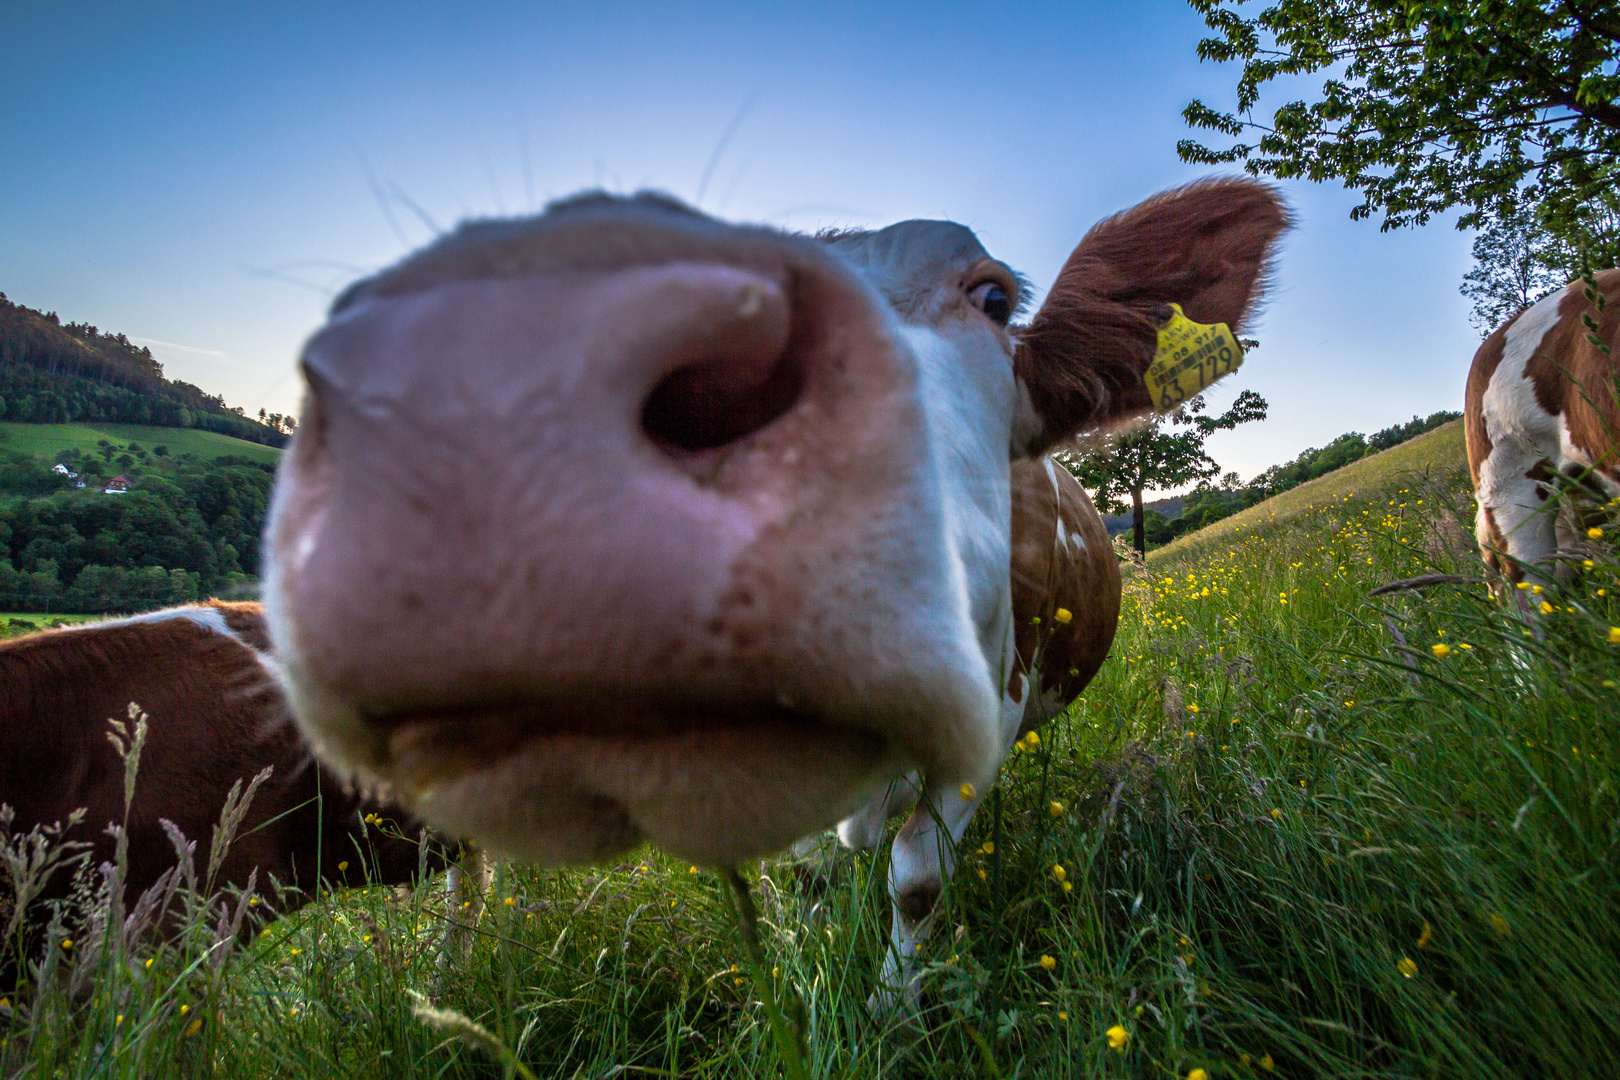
<point x="205" y="177"/>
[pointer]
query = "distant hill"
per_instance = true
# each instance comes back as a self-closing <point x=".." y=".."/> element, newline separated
<point x="49" y="441"/>
<point x="1170" y="508"/>
<point x="56" y="373"/>
<point x="1439" y="452"/>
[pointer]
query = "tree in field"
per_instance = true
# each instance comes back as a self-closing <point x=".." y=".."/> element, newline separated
<point x="1165" y="453"/>
<point x="1518" y="260"/>
<point x="1488" y="105"/>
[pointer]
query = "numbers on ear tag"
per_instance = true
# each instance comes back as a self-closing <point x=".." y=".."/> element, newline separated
<point x="1190" y="357"/>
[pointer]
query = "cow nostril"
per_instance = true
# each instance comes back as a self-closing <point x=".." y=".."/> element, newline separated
<point x="712" y="403"/>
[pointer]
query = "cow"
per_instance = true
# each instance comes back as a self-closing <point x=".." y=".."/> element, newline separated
<point x="622" y="523"/>
<point x="1540" y="400"/>
<point x="216" y="717"/>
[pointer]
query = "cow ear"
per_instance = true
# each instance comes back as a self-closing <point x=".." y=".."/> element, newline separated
<point x="1206" y="246"/>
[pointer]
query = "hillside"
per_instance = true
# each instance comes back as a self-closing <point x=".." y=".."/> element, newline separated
<point x="48" y="440"/>
<point x="1439" y="453"/>
<point x="51" y="372"/>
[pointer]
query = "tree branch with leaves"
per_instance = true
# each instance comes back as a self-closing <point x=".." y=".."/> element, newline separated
<point x="1426" y="105"/>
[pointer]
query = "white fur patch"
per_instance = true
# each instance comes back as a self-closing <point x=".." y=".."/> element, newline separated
<point x="1522" y="435"/>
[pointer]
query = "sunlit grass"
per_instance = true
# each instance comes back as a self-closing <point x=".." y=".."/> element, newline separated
<point x="1270" y="840"/>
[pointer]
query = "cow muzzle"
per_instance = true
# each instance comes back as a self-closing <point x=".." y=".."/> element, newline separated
<point x="574" y="549"/>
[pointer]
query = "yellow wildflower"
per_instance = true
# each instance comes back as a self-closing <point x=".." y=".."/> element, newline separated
<point x="1063" y="1015"/>
<point x="1546" y="608"/>
<point x="967" y="791"/>
<point x="1062" y="615"/>
<point x="1441" y="651"/>
<point x="184" y="1009"/>
<point x="982" y="874"/>
<point x="693" y="870"/>
<point x="1055" y="807"/>
<point x="1198" y="1074"/>
<point x="1060" y="873"/>
<point x="67" y="943"/>
<point x="510" y="901"/>
<point x="1118" y="1037"/>
<point x="1276" y="814"/>
<point x="1032" y="740"/>
<point x="148" y="964"/>
<point x="1068" y="886"/>
<point x="988" y="847"/>
<point x="1425" y="937"/>
<point x="342" y="866"/>
<point x="196" y="1026"/>
<point x="1048" y="962"/>
<point x="1407" y="966"/>
<point x="1267" y="1064"/>
<point x="1594" y="533"/>
<point x="1614" y="635"/>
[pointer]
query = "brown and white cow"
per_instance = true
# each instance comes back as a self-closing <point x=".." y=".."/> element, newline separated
<point x="623" y="523"/>
<point x="216" y="716"/>
<point x="1541" y="398"/>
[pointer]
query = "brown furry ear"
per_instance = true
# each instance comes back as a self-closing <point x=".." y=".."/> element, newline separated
<point x="1206" y="246"/>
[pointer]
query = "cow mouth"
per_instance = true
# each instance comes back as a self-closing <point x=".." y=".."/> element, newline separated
<point x="558" y="785"/>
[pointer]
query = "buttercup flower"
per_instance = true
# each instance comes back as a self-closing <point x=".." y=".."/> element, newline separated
<point x="1118" y="1037"/>
<point x="1425" y="937"/>
<point x="1443" y="650"/>
<point x="1048" y="962"/>
<point x="1062" y="615"/>
<point x="1407" y="966"/>
<point x="1594" y="533"/>
<point x="967" y="792"/>
<point x="1055" y="807"/>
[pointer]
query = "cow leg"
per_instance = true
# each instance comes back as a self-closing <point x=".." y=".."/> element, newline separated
<point x="466" y="887"/>
<point x="923" y="859"/>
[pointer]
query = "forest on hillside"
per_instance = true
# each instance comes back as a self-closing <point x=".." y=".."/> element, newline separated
<point x="55" y="372"/>
<point x="188" y="528"/>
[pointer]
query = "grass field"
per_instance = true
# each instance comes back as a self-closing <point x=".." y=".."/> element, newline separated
<point x="1439" y="452"/>
<point x="1302" y="832"/>
<point x="17" y="623"/>
<point x="46" y="440"/>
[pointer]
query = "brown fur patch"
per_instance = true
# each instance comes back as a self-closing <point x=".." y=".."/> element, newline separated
<point x="215" y="718"/>
<point x="1059" y="658"/>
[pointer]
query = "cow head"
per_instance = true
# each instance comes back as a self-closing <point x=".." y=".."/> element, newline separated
<point x="621" y="522"/>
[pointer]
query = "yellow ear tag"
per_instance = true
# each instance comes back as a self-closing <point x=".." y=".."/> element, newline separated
<point x="1190" y="357"/>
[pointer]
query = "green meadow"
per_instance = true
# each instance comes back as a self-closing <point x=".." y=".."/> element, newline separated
<point x="1291" y="830"/>
<point x="47" y="440"/>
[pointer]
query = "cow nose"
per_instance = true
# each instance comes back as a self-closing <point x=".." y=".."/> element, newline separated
<point x="726" y="334"/>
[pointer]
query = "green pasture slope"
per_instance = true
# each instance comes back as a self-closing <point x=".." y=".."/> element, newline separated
<point x="1291" y="830"/>
<point x="46" y="440"/>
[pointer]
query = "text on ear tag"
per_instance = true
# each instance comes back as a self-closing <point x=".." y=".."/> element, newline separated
<point x="1190" y="357"/>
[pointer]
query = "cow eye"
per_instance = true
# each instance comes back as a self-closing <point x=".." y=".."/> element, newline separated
<point x="993" y="300"/>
